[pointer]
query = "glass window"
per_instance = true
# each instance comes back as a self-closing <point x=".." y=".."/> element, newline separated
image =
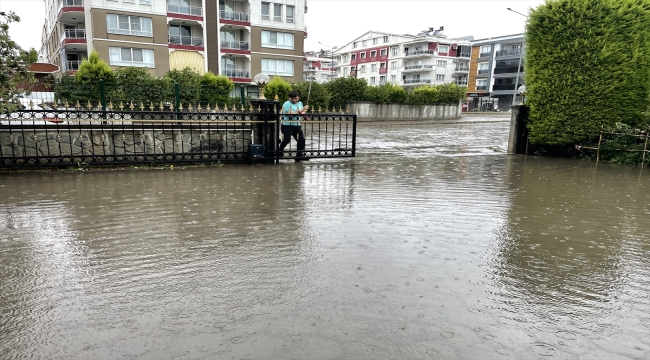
<point x="277" y="12"/>
<point x="382" y="79"/>
<point x="266" y="11"/>
<point x="373" y="54"/>
<point x="145" y="2"/>
<point x="277" y="67"/>
<point x="375" y="41"/>
<point x="393" y="65"/>
<point x="363" y="68"/>
<point x="443" y="49"/>
<point x="120" y="56"/>
<point x="486" y="49"/>
<point x="290" y="12"/>
<point x="395" y="51"/>
<point x="355" y="44"/>
<point x="483" y="66"/>
<point x="345" y="71"/>
<point x="393" y="78"/>
<point x="440" y="77"/>
<point x="384" y="52"/>
<point x="442" y="63"/>
<point x="382" y="65"/>
<point x="128" y="25"/>
<point x="372" y="80"/>
<point x="373" y="68"/>
<point x="364" y="43"/>
<point x="385" y="39"/>
<point x="363" y="55"/>
<point x="272" y="39"/>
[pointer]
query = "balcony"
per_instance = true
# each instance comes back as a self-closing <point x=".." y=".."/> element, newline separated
<point x="461" y="69"/>
<point x="236" y="73"/>
<point x="309" y="68"/>
<point x="236" y="46"/>
<point x="180" y="40"/>
<point x="238" y="17"/>
<point x="418" y="67"/>
<point x="192" y="11"/>
<point x="419" y="53"/>
<point x="73" y="36"/>
<point x="505" y="87"/>
<point x="461" y="82"/>
<point x="508" y="70"/>
<point x="465" y="55"/>
<point x="69" y="11"/>
<point x="485" y="54"/>
<point x="72" y="65"/>
<point x="483" y="71"/>
<point x="383" y="70"/>
<point x="417" y="81"/>
<point x="506" y="53"/>
<point x="481" y="88"/>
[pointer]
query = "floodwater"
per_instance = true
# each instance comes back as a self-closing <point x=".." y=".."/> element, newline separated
<point x="431" y="244"/>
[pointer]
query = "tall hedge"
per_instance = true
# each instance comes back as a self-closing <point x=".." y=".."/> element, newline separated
<point x="587" y="65"/>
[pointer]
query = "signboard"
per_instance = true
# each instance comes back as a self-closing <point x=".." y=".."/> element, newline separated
<point x="477" y="94"/>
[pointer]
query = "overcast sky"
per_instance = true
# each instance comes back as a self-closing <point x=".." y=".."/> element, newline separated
<point x="337" y="22"/>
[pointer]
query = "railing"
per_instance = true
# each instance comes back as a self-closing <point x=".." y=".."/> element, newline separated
<point x="502" y="87"/>
<point x="464" y="83"/>
<point x="234" y="16"/>
<point x="73" y="34"/>
<point x="508" y="70"/>
<point x="86" y="137"/>
<point x="235" y="45"/>
<point x="185" y="40"/>
<point x="417" y="81"/>
<point x="72" y="65"/>
<point x="417" y="67"/>
<point x="419" y="52"/>
<point x="72" y="3"/>
<point x="483" y="71"/>
<point x="184" y="9"/>
<point x="481" y="87"/>
<point x="513" y="52"/>
<point x="309" y="68"/>
<point x="236" y="73"/>
<point x="461" y="69"/>
<point x="465" y="55"/>
<point x="485" y="54"/>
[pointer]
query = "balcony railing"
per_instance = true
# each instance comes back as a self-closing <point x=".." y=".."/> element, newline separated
<point x="184" y="9"/>
<point x="501" y="87"/>
<point x="461" y="69"/>
<point x="463" y="83"/>
<point x="73" y="34"/>
<point x="419" y="52"/>
<point x="485" y="54"/>
<point x="72" y="65"/>
<point x="235" y="45"/>
<point x="418" y="67"/>
<point x="307" y="68"/>
<point x="507" y="70"/>
<point x="513" y="52"/>
<point x="483" y="71"/>
<point x="481" y="87"/>
<point x="235" y="16"/>
<point x="417" y="81"/>
<point x="465" y="55"/>
<point x="236" y="73"/>
<point x="185" y="40"/>
<point x="72" y="3"/>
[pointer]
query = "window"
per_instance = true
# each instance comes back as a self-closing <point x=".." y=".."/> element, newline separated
<point x="145" y="2"/>
<point x="375" y="41"/>
<point x="344" y="59"/>
<point x="442" y="63"/>
<point x="363" y="69"/>
<point x="373" y="68"/>
<point x="345" y="71"/>
<point x="443" y="49"/>
<point x="277" y="67"/>
<point x="440" y="77"/>
<point x="372" y="80"/>
<point x="481" y="84"/>
<point x="393" y="65"/>
<point x="120" y="56"/>
<point x="354" y="56"/>
<point x="363" y="55"/>
<point x="290" y="12"/>
<point x="382" y="79"/>
<point x="277" y="12"/>
<point x="128" y="25"/>
<point x="395" y="51"/>
<point x="382" y="65"/>
<point x="355" y="44"/>
<point x="385" y="39"/>
<point x="373" y="54"/>
<point x="364" y="43"/>
<point x="272" y="39"/>
<point x="485" y="49"/>
<point x="483" y="68"/>
<point x="129" y="1"/>
<point x="266" y="11"/>
<point x="393" y="78"/>
<point x="384" y="52"/>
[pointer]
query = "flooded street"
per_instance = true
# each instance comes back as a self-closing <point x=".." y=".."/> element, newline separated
<point x="430" y="244"/>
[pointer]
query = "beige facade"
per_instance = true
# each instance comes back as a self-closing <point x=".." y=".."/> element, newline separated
<point x="258" y="52"/>
<point x="100" y="28"/>
<point x="161" y="54"/>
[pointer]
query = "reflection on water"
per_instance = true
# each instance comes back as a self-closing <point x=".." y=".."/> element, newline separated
<point x="430" y="244"/>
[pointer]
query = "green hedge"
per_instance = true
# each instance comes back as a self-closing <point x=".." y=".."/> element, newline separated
<point x="586" y="66"/>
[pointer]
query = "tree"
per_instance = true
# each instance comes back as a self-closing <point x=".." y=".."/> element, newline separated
<point x="87" y="78"/>
<point x="586" y="66"/>
<point x="135" y="84"/>
<point x="14" y="62"/>
<point x="215" y="89"/>
<point x="277" y="86"/>
<point x="319" y="97"/>
<point x="346" y="89"/>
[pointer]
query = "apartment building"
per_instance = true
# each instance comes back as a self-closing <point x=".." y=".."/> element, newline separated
<point x="495" y="72"/>
<point x="429" y="58"/>
<point x="235" y="38"/>
<point x="318" y="66"/>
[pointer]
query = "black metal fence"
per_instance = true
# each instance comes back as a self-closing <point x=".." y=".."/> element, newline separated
<point x="130" y="134"/>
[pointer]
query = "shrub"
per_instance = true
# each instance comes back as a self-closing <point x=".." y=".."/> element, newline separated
<point x="438" y="94"/>
<point x="346" y="89"/>
<point x="319" y="98"/>
<point x="586" y="66"/>
<point x="386" y="93"/>
<point x="188" y="80"/>
<point x="215" y="89"/>
<point x="277" y="86"/>
<point x="87" y="78"/>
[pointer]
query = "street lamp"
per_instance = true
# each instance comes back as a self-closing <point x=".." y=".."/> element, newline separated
<point x="332" y="58"/>
<point x="521" y="54"/>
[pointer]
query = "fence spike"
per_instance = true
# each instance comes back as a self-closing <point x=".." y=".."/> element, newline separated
<point x="189" y="107"/>
<point x="259" y="108"/>
<point x="319" y="109"/>
<point x="141" y="106"/>
<point x="89" y="105"/>
<point x="250" y="107"/>
<point x="110" y="105"/>
<point x="66" y="104"/>
<point x="208" y="108"/>
<point x="225" y="108"/>
<point x="131" y="106"/>
<point x="121" y="106"/>
<point x="199" y="108"/>
<point x="151" y="106"/>
<point x="171" y="107"/>
<point x="77" y="105"/>
<point x="162" y="107"/>
<point x="180" y="106"/>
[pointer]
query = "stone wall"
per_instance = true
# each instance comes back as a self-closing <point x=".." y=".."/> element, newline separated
<point x="367" y="111"/>
<point x="61" y="143"/>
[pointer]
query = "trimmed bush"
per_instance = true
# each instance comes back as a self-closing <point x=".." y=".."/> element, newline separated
<point x="437" y="94"/>
<point x="346" y="89"/>
<point x="277" y="86"/>
<point x="386" y="93"/>
<point x="586" y="66"/>
<point x="215" y="89"/>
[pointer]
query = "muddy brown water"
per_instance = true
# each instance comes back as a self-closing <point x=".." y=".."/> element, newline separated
<point x="431" y="244"/>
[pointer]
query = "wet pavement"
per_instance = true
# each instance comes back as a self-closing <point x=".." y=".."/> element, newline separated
<point x="431" y="244"/>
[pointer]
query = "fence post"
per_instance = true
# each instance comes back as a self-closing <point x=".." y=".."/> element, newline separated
<point x="177" y="100"/>
<point x="102" y="97"/>
<point x="241" y="94"/>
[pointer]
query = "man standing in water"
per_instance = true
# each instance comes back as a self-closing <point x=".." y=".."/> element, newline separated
<point x="291" y="125"/>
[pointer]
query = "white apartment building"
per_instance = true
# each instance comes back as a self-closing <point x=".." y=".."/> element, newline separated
<point x="406" y="60"/>
<point x="236" y="38"/>
<point x="318" y="67"/>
